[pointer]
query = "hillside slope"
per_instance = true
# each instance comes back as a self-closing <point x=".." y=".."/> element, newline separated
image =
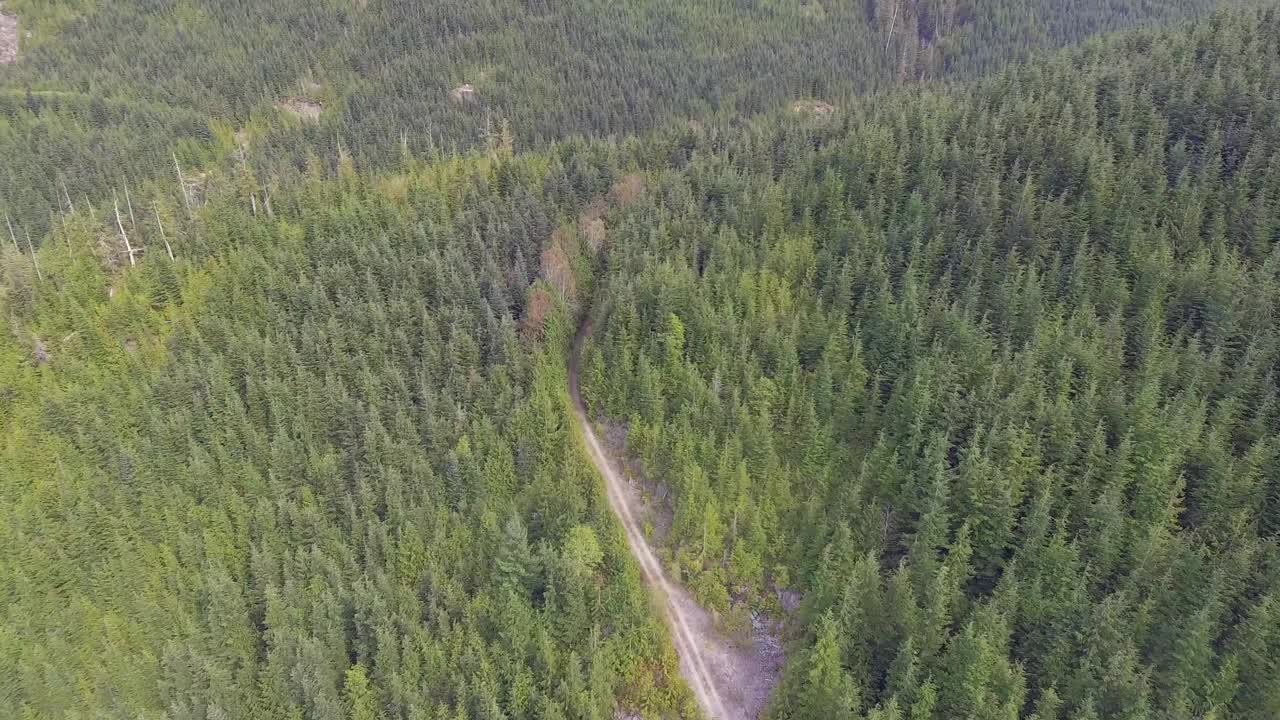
<point x="990" y="375"/>
<point x="105" y="92"/>
<point x="986" y="373"/>
<point x="321" y="465"/>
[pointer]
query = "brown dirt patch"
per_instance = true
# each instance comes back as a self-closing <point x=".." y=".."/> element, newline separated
<point x="627" y="189"/>
<point x="654" y="497"/>
<point x="464" y="93"/>
<point x="304" y="109"/>
<point x="557" y="265"/>
<point x="395" y="187"/>
<point x="813" y="11"/>
<point x="594" y="210"/>
<point x="593" y="232"/>
<point x="8" y="38"/>
<point x="111" y="256"/>
<point x="536" y="310"/>
<point x="812" y="107"/>
<point x="731" y="680"/>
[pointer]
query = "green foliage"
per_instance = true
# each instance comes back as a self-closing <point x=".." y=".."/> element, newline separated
<point x="582" y="554"/>
<point x="989" y="371"/>
<point x="361" y="705"/>
<point x="513" y="566"/>
<point x="310" y="468"/>
<point x="105" y="91"/>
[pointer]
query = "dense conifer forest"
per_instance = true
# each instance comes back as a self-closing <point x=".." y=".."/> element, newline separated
<point x="977" y="357"/>
<point x="312" y="467"/>
<point x="991" y="375"/>
<point x="106" y="92"/>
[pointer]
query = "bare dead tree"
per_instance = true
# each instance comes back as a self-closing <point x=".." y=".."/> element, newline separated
<point x="62" y="212"/>
<point x="12" y="237"/>
<point x="133" y="222"/>
<point x="128" y="248"/>
<point x="32" y="248"/>
<point x="182" y="185"/>
<point x="902" y="63"/>
<point x="244" y="168"/>
<point x="62" y="220"/>
<point x="70" y="205"/>
<point x="893" y="20"/>
<point x="160" y="225"/>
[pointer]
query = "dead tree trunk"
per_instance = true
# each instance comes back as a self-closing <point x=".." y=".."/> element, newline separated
<point x="128" y="248"/>
<point x="133" y="222"/>
<point x="160" y="225"/>
<point x="70" y="205"/>
<point x="34" y="261"/>
<point x="893" y="20"/>
<point x="182" y="185"/>
<point x="12" y="237"/>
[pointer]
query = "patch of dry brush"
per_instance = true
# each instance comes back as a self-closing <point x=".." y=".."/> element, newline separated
<point x="8" y="38"/>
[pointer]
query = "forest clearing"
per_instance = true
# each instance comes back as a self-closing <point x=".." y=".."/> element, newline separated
<point x="8" y="37"/>
<point x="729" y="681"/>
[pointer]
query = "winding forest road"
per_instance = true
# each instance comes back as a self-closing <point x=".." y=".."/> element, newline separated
<point x="729" y="683"/>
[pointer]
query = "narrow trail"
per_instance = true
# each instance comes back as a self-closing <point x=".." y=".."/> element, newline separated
<point x="729" y="683"/>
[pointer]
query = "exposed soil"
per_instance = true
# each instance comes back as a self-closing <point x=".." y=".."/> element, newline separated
<point x="557" y="265"/>
<point x="813" y="107"/>
<point x="813" y="11"/>
<point x="591" y="224"/>
<point x="730" y="682"/>
<point x="627" y="189"/>
<point x="593" y="232"/>
<point x="655" y="510"/>
<point x="594" y="210"/>
<point x="8" y="38"/>
<point x="302" y="108"/>
<point x="656" y="514"/>
<point x="465" y="92"/>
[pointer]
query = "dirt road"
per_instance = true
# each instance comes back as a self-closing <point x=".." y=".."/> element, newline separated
<point x="730" y="683"/>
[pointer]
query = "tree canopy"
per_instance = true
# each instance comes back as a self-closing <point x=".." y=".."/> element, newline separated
<point x="989" y="374"/>
<point x="984" y="372"/>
